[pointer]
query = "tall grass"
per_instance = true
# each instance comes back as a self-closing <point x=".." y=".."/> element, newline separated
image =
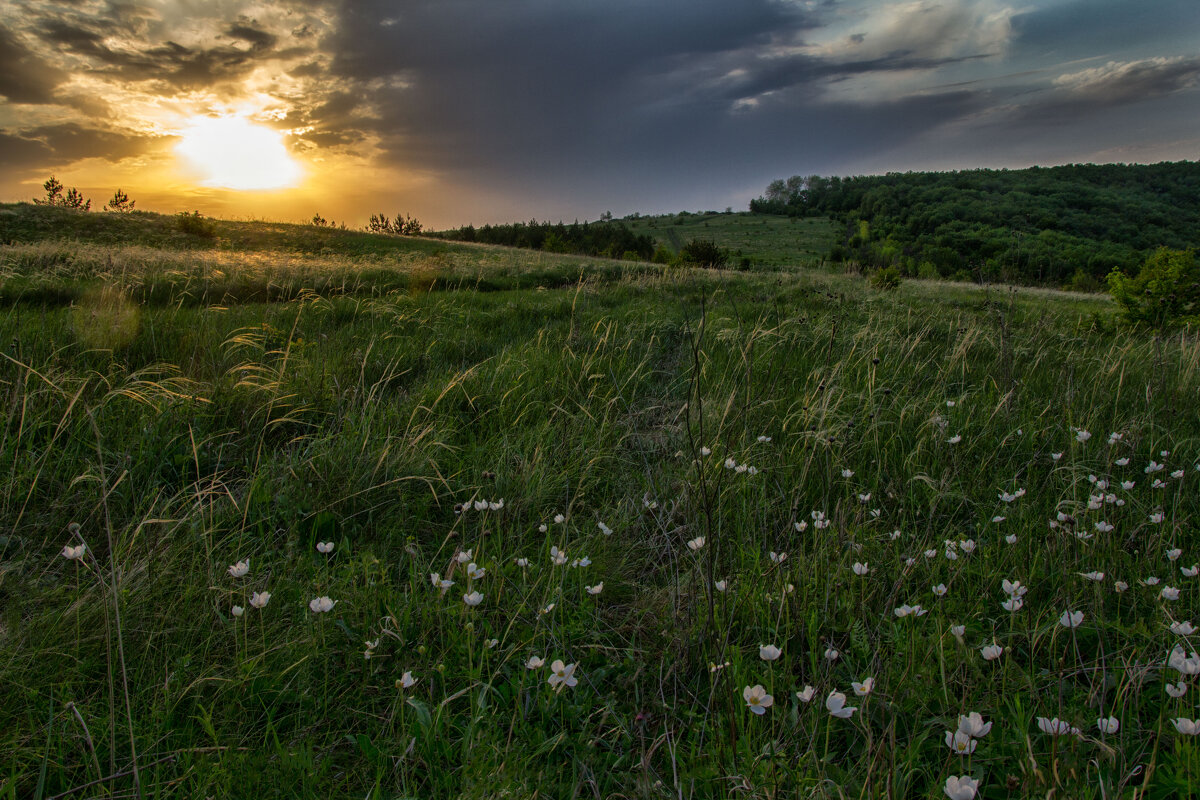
<point x="191" y="410"/>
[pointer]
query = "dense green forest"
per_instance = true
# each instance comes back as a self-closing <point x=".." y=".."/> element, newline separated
<point x="606" y="239"/>
<point x="1068" y="225"/>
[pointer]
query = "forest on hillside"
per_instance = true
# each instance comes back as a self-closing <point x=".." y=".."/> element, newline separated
<point x="605" y="238"/>
<point x="1066" y="226"/>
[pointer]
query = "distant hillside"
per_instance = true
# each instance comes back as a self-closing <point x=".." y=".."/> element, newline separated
<point x="1067" y="225"/>
<point x="762" y="240"/>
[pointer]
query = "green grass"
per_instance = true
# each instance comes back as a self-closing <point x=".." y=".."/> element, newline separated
<point x="190" y="408"/>
<point x="770" y="242"/>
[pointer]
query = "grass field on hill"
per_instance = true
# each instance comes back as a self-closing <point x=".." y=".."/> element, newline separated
<point x="394" y="518"/>
<point x="769" y="241"/>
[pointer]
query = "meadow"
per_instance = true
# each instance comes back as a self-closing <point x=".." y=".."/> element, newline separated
<point x="289" y="513"/>
<point x="768" y="241"/>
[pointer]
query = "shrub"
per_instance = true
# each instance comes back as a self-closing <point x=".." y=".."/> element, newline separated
<point x="1165" y="292"/>
<point x="703" y="253"/>
<point x="120" y="202"/>
<point x="194" y="224"/>
<point x="662" y="255"/>
<point x="55" y="197"/>
<point x="886" y="279"/>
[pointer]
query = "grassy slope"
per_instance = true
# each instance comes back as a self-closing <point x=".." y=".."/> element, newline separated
<point x="193" y="408"/>
<point x="771" y="242"/>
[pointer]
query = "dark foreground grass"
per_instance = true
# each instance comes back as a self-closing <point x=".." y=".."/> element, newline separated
<point x="184" y="428"/>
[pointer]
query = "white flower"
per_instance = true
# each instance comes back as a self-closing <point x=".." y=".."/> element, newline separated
<point x="1150" y="581"/>
<point x="831" y="654"/>
<point x="958" y="631"/>
<point x="472" y="599"/>
<point x="1174" y="554"/>
<point x="806" y="695"/>
<point x="1169" y="593"/>
<point x="836" y="704"/>
<point x="1082" y="436"/>
<point x="1104" y="526"/>
<point x="1177" y="474"/>
<point x="582" y="562"/>
<point x="1071" y="619"/>
<point x="1176" y="689"/>
<point x="464" y="556"/>
<point x="1122" y="462"/>
<point x="768" y="652"/>
<point x="972" y="724"/>
<point x="320" y="605"/>
<point x="894" y="535"/>
<point x="967" y="545"/>
<point x="490" y="643"/>
<point x="695" y="544"/>
<point x="1153" y="467"/>
<point x="847" y="473"/>
<point x="260" y="599"/>
<point x="474" y="571"/>
<point x="535" y="662"/>
<point x="562" y="675"/>
<point x="1093" y="576"/>
<point x="1055" y="456"/>
<point x="547" y="609"/>
<point x="864" y="688"/>
<point x="954" y="439"/>
<point x="940" y="590"/>
<point x="1013" y="604"/>
<point x="864" y="498"/>
<point x="559" y="557"/>
<point x="949" y="404"/>
<point x="604" y="529"/>
<point x="238" y="570"/>
<point x="952" y="554"/>
<point x="764" y="439"/>
<point x="740" y="468"/>
<point x="801" y="526"/>
<point x="991" y="652"/>
<point x="75" y="553"/>
<point x="910" y="562"/>
<point x="757" y="699"/>
<point x="237" y="611"/>
<point x="1011" y="538"/>
<point x="407" y="680"/>
<point x="1186" y="726"/>
<point x="730" y="464"/>
<point x="1184" y="663"/>
<point x="542" y="528"/>
<point x="819" y="520"/>
<point x="961" y="743"/>
<point x="1157" y="484"/>
<point x="559" y="519"/>
<point x="704" y="451"/>
<point x="481" y="505"/>
<point x="930" y="553"/>
<point x="496" y="505"/>
<point x="1114" y="437"/>
<point x="324" y="547"/>
<point x="1120" y="586"/>
<point x="721" y="586"/>
<point x="597" y="589"/>
<point x="522" y="562"/>
<point x="1108" y="725"/>
<point x="859" y="568"/>
<point x="1013" y="588"/>
<point x="1184" y="628"/>
<point x="778" y="558"/>
<point x="909" y="611"/>
<point x="1054" y="727"/>
<point x="370" y="651"/>
<point x="961" y="787"/>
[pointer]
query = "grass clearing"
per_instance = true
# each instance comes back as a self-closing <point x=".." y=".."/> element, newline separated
<point x="746" y="439"/>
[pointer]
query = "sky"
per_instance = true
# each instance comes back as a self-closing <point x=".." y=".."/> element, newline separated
<point x="477" y="111"/>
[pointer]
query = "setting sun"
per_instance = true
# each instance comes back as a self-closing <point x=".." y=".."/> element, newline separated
<point x="234" y="153"/>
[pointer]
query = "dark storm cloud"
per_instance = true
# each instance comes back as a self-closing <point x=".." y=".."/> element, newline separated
<point x="60" y="144"/>
<point x="1095" y="90"/>
<point x="24" y="77"/>
<point x="1092" y="27"/>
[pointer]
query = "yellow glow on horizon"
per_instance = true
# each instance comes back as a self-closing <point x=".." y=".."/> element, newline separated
<point x="234" y="153"/>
